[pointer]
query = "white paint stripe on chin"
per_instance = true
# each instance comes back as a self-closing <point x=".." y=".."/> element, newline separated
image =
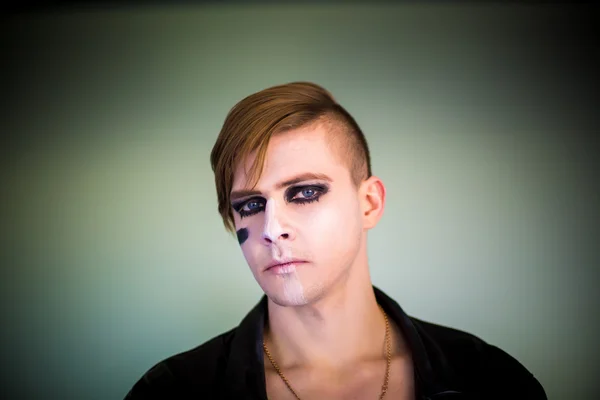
<point x="293" y="289"/>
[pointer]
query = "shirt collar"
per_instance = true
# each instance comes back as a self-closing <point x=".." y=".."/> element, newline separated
<point x="245" y="366"/>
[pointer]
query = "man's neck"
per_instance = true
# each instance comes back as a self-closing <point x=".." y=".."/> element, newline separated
<point x="344" y="326"/>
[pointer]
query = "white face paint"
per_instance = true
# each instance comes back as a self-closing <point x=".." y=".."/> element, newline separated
<point x="293" y="290"/>
<point x="326" y="235"/>
<point x="272" y="229"/>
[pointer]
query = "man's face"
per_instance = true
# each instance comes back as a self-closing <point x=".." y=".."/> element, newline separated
<point x="302" y="230"/>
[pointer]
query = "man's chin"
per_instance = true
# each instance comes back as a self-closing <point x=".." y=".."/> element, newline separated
<point x="289" y="293"/>
<point x="285" y="302"/>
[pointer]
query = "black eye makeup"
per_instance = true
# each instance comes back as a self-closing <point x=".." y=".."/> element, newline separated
<point x="250" y="207"/>
<point x="301" y="194"/>
<point x="305" y="194"/>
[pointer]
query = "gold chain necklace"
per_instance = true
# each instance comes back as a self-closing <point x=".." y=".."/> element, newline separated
<point x="388" y="345"/>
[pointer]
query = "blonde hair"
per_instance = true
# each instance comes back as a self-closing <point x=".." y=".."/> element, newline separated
<point x="252" y="122"/>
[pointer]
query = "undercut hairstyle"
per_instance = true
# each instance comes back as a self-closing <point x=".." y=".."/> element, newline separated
<point x="252" y="122"/>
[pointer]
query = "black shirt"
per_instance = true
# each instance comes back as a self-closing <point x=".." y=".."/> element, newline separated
<point x="448" y="364"/>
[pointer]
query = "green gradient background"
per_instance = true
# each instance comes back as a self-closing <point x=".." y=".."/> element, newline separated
<point x="114" y="256"/>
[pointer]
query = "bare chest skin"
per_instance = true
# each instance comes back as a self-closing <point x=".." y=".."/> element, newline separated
<point x="358" y="382"/>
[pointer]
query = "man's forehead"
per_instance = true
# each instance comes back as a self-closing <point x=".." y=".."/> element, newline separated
<point x="290" y="154"/>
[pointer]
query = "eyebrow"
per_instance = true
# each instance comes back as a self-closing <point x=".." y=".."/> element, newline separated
<point x="238" y="194"/>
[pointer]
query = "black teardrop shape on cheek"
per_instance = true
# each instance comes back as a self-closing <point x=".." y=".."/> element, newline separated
<point x="242" y="235"/>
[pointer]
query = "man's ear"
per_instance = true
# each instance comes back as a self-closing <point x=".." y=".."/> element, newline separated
<point x="372" y="199"/>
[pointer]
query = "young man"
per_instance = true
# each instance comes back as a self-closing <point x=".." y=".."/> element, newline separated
<point x="293" y="176"/>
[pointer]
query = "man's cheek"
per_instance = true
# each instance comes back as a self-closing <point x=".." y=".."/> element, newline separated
<point x="327" y="219"/>
<point x="251" y="252"/>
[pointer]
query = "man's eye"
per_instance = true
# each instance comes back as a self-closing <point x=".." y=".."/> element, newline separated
<point x="308" y="193"/>
<point x="252" y="205"/>
<point x="249" y="207"/>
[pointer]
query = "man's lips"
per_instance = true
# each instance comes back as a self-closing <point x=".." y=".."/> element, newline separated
<point x="283" y="263"/>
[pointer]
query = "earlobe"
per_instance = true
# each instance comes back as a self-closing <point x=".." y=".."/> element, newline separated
<point x="373" y="201"/>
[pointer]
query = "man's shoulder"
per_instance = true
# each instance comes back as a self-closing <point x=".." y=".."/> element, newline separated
<point x="472" y="364"/>
<point x="449" y="340"/>
<point x="198" y="370"/>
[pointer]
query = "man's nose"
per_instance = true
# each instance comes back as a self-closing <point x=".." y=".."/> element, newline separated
<point x="275" y="229"/>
